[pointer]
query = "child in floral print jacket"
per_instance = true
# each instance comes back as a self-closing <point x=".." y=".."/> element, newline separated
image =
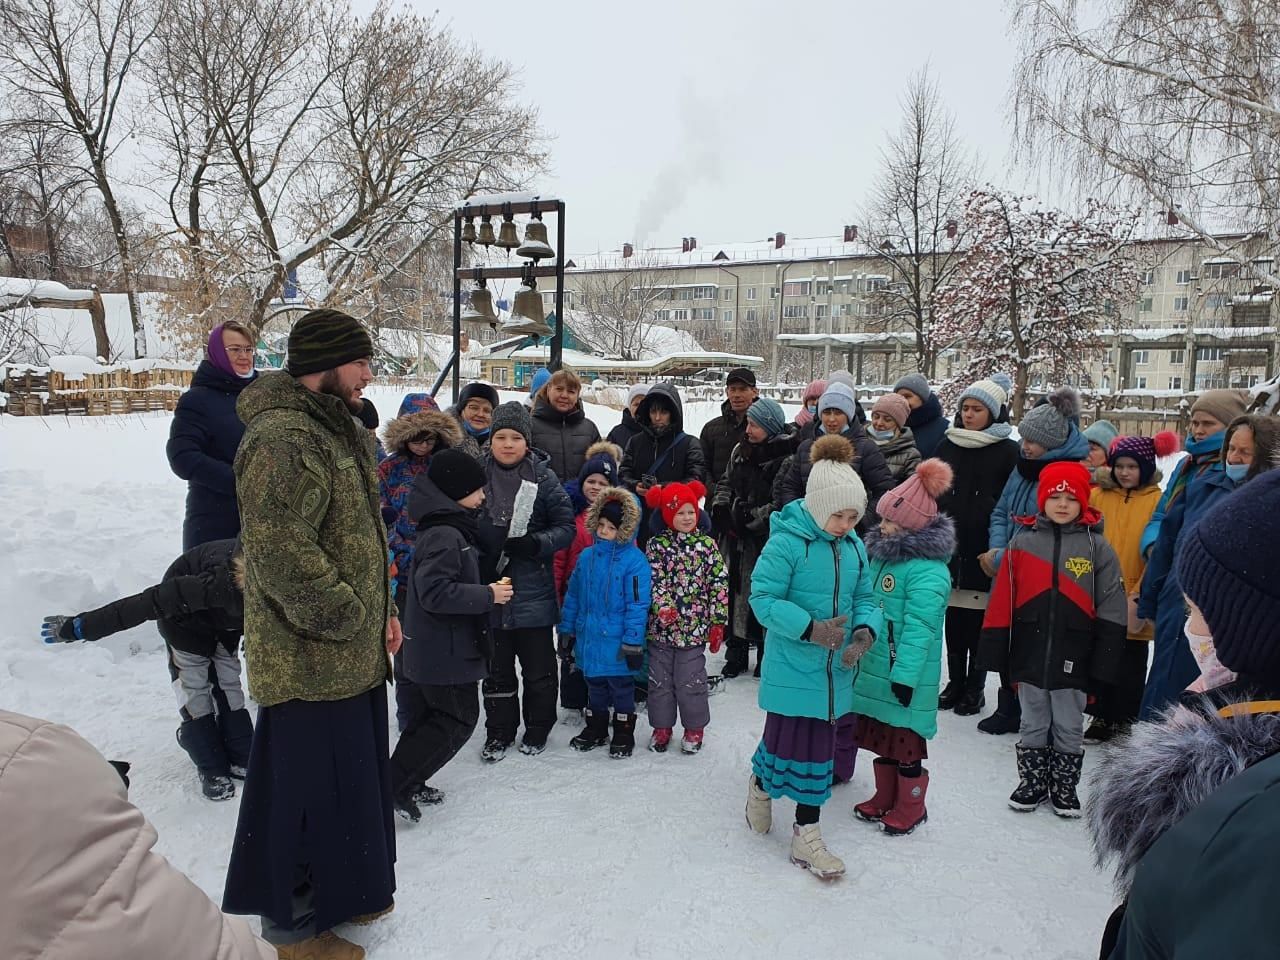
<point x="689" y="610"/>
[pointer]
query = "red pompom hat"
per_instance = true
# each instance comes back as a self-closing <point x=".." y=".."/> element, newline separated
<point x="673" y="496"/>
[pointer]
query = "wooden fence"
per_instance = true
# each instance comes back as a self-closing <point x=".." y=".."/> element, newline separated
<point x="34" y="392"/>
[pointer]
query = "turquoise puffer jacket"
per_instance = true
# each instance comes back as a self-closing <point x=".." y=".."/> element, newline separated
<point x="912" y="584"/>
<point x="806" y="574"/>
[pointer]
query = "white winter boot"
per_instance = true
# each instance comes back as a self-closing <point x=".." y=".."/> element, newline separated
<point x="759" y="808"/>
<point x="809" y="851"/>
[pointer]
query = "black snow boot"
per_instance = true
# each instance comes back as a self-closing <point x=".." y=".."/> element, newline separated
<point x="236" y="727"/>
<point x="595" y="733"/>
<point x="203" y="743"/>
<point x="1064" y="777"/>
<point x="1008" y="715"/>
<point x="405" y="804"/>
<point x="1033" y="779"/>
<point x="737" y="656"/>
<point x="951" y="694"/>
<point x="624" y="735"/>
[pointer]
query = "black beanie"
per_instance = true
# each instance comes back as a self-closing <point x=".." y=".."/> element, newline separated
<point x="512" y="415"/>
<point x="457" y="474"/>
<point x="1226" y="566"/>
<point x="325" y="339"/>
<point x="612" y="511"/>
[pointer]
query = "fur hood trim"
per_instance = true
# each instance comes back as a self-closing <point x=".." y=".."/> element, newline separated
<point x="1163" y="771"/>
<point x="606" y="448"/>
<point x="630" y="512"/>
<point x="936" y="540"/>
<point x="398" y="432"/>
<point x="238" y="571"/>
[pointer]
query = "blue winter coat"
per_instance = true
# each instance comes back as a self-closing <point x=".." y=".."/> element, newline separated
<point x="805" y="574"/>
<point x="929" y="424"/>
<point x="203" y="440"/>
<point x="1173" y="667"/>
<point x="912" y="582"/>
<point x="1019" y="496"/>
<point x="607" y="603"/>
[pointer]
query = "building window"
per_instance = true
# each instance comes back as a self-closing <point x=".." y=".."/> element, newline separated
<point x="704" y="313"/>
<point x="1141" y="383"/>
<point x="1219" y="270"/>
<point x="1210" y="381"/>
<point x="773" y="293"/>
<point x="1141" y="357"/>
<point x="1148" y="277"/>
<point x="1147" y="303"/>
<point x="1177" y="357"/>
<point x="704" y="293"/>
<point x="796" y="288"/>
<point x="819" y="311"/>
<point x="1209" y="354"/>
<point x="1180" y="304"/>
<point x="795" y="311"/>
<point x="662" y="316"/>
<point x="1184" y="276"/>
<point x="1175" y="383"/>
<point x="875" y="284"/>
<point x="1108" y="307"/>
<point x="728" y="293"/>
<point x="678" y="315"/>
<point x="753" y="316"/>
<point x="1217" y="301"/>
<point x="751" y="293"/>
<point x="686" y="293"/>
<point x="727" y="317"/>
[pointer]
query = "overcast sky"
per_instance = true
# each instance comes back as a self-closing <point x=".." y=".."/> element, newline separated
<point x="732" y="120"/>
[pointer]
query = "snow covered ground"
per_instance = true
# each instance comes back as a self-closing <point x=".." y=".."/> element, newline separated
<point x="561" y="855"/>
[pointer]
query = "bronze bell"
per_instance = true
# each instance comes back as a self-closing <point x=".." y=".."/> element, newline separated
<point x="535" y="246"/>
<point x="508" y="238"/>
<point x="485" y="237"/>
<point x="479" y="311"/>
<point x="527" y="315"/>
<point x="469" y="232"/>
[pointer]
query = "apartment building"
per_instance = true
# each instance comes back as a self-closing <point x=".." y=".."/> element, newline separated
<point x="1200" y="320"/>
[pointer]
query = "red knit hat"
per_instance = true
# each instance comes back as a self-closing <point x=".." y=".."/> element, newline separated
<point x="1063" y="475"/>
<point x="673" y="496"/>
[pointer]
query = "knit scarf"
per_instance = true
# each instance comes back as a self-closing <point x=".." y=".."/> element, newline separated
<point x="979" y="438"/>
<point x="500" y="491"/>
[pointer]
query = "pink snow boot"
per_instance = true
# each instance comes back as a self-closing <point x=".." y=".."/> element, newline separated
<point x="908" y="812"/>
<point x="873" y="810"/>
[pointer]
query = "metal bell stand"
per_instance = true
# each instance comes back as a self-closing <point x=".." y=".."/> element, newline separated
<point x="496" y="206"/>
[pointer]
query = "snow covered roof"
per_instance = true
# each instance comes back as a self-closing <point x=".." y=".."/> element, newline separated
<point x="587" y="361"/>
<point x="843" y="340"/>
<point x="1173" y="333"/>
<point x="751" y="251"/>
<point x="16" y="289"/>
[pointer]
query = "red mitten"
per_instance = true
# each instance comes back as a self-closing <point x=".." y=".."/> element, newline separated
<point x="715" y="638"/>
<point x="667" y="616"/>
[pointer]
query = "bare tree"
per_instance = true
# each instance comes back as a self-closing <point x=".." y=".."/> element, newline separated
<point x="614" y="308"/>
<point x="1033" y="288"/>
<point x="78" y="60"/>
<point x="914" y="215"/>
<point x="304" y="136"/>
<point x="1175" y="103"/>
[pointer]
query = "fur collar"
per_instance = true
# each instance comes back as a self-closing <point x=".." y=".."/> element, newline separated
<point x="630" y="512"/>
<point x="1162" y="771"/>
<point x="935" y="541"/>
<point x="398" y="432"/>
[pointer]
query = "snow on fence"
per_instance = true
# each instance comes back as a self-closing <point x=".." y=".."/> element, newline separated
<point x="74" y="386"/>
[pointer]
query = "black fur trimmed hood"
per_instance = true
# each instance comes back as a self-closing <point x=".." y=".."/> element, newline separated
<point x="934" y="541"/>
<point x="1147" y="782"/>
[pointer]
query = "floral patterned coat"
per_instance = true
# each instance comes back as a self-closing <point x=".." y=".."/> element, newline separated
<point x="689" y="576"/>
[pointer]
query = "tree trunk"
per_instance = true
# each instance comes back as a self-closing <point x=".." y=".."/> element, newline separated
<point x="98" y="316"/>
<point x="126" y="261"/>
<point x="1021" y="376"/>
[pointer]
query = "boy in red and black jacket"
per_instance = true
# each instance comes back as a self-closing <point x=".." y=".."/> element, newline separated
<point x="1056" y="621"/>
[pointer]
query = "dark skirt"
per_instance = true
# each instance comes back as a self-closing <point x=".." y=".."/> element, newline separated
<point x="796" y="758"/>
<point x="318" y="793"/>
<point x="892" y="743"/>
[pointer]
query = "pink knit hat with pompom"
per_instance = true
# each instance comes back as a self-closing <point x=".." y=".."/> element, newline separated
<point x="913" y="504"/>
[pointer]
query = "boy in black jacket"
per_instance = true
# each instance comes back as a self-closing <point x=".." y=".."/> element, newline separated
<point x="446" y="628"/>
<point x="198" y="607"/>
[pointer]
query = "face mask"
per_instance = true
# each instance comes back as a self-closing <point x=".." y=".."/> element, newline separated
<point x="812" y="408"/>
<point x="881" y="435"/>
<point x="1212" y="672"/>
<point x="1237" y="471"/>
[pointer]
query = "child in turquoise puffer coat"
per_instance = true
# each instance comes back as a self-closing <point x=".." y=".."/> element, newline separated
<point x="811" y="591"/>
<point x="896" y="689"/>
<point x="602" y="623"/>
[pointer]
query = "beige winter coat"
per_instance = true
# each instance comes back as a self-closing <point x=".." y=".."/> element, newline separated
<point x="78" y="875"/>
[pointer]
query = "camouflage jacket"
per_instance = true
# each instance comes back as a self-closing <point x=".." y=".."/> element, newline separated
<point x="317" y="597"/>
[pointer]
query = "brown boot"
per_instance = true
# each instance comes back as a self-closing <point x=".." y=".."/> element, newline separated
<point x="326" y="946"/>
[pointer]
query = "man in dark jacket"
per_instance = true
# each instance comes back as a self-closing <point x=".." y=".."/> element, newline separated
<point x="315" y="840"/>
<point x="621" y="434"/>
<point x="661" y="452"/>
<point x="720" y="435"/>
<point x="205" y="433"/>
<point x="199" y="611"/>
<point x="447" y="642"/>
<point x="836" y="415"/>
<point x="522" y="628"/>
<point x="927" y="421"/>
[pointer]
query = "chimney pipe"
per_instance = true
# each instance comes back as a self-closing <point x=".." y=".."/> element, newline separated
<point x="693" y="243"/>
<point x="627" y="251"/>
<point x="779" y="240"/>
<point x="684" y="244"/>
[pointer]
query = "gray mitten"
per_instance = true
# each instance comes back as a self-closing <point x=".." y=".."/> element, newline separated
<point x="828" y="633"/>
<point x="862" y="641"/>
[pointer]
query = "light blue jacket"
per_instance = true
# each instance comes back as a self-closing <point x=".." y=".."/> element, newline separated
<point x="1019" y="496"/>
<point x="806" y="574"/>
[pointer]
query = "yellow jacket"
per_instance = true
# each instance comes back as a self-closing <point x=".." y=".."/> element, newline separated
<point x="1125" y="514"/>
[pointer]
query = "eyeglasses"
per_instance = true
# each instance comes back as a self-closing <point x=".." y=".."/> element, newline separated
<point x="424" y="438"/>
<point x="240" y="351"/>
